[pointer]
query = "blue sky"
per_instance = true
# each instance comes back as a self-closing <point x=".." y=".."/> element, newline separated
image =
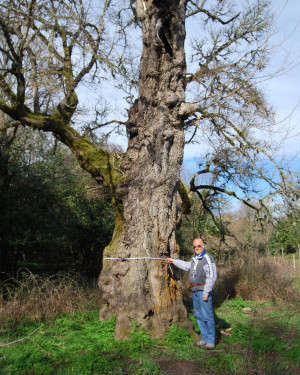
<point x="282" y="91"/>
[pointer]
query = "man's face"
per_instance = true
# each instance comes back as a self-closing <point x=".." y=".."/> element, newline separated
<point x="198" y="246"/>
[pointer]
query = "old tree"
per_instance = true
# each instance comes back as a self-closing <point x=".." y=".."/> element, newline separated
<point x="49" y="49"/>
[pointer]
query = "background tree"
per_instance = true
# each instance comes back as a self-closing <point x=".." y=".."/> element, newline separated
<point x="286" y="235"/>
<point x="199" y="222"/>
<point x="53" y="215"/>
<point x="49" y="48"/>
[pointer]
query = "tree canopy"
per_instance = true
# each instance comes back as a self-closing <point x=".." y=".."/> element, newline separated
<point x="50" y="50"/>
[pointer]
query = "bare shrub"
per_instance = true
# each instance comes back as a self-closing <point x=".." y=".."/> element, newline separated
<point x="44" y="298"/>
<point x="228" y="277"/>
<point x="258" y="278"/>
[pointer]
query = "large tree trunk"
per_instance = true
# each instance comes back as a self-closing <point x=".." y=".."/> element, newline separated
<point x="145" y="290"/>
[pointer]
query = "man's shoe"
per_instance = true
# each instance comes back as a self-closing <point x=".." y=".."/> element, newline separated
<point x="210" y="346"/>
<point x="201" y="343"/>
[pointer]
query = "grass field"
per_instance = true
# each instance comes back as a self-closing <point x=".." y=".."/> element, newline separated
<point x="253" y="338"/>
<point x="49" y="325"/>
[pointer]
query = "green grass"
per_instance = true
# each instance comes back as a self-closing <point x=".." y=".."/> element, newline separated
<point x="269" y="335"/>
<point x="263" y="340"/>
<point x="75" y="344"/>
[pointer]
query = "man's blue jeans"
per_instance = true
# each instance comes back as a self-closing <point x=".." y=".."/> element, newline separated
<point x="205" y="317"/>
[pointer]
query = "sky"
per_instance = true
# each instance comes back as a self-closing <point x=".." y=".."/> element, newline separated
<point x="282" y="91"/>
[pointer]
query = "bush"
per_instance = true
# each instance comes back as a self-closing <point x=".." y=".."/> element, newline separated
<point x="258" y="279"/>
<point x="44" y="298"/>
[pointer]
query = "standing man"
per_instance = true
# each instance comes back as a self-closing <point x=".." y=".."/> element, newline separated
<point x="203" y="274"/>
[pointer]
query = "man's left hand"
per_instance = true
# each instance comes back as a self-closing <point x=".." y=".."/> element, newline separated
<point x="204" y="297"/>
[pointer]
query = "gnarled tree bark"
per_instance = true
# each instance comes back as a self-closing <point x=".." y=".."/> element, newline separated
<point x="144" y="289"/>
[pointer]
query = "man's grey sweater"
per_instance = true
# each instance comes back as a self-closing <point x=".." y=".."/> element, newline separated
<point x="202" y="271"/>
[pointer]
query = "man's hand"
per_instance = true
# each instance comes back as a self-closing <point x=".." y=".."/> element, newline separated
<point x="170" y="260"/>
<point x="204" y="297"/>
